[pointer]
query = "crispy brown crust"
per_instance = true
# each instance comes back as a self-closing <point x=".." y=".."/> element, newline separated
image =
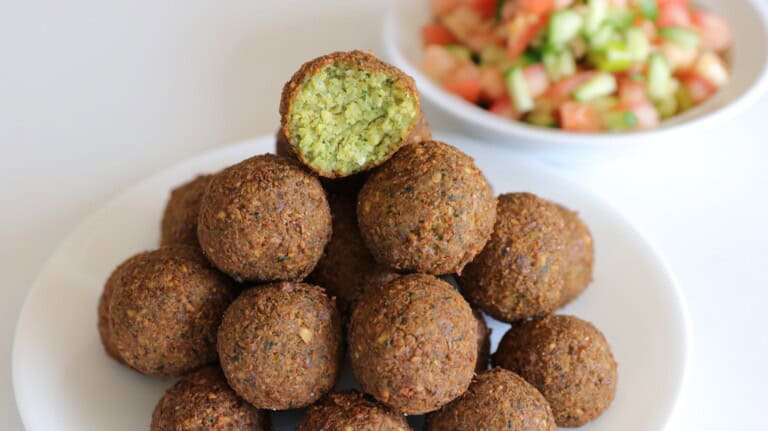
<point x="280" y="345"/>
<point x="429" y="210"/>
<point x="520" y="272"/>
<point x="264" y="219"/>
<point x="483" y="342"/>
<point x="359" y="59"/>
<point x="202" y="401"/>
<point x="568" y="360"/>
<point x="104" y="302"/>
<point x="497" y="399"/>
<point x="413" y="344"/>
<point x="351" y="410"/>
<point x="579" y="256"/>
<point x="165" y="308"/>
<point x="347" y="268"/>
<point x="179" y="222"/>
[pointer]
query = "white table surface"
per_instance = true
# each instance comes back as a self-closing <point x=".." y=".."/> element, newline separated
<point x="96" y="95"/>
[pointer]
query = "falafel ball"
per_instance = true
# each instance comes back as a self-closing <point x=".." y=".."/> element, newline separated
<point x="165" y="309"/>
<point x="280" y="345"/>
<point x="202" y="401"/>
<point x="179" y="223"/>
<point x="351" y="410"/>
<point x="104" y="302"/>
<point x="413" y="343"/>
<point x="429" y="209"/>
<point x="579" y="256"/>
<point x="347" y="268"/>
<point x="497" y="399"/>
<point x="568" y="360"/>
<point x="520" y="272"/>
<point x="264" y="219"/>
<point x="347" y="112"/>
<point x="483" y="342"/>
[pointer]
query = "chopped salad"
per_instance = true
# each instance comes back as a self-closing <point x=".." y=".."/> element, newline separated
<point x="578" y="65"/>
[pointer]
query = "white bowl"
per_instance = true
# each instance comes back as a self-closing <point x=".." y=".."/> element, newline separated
<point x="748" y="18"/>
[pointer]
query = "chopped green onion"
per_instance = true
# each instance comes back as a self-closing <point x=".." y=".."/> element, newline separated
<point x="659" y="76"/>
<point x="649" y="9"/>
<point x="460" y="52"/>
<point x="518" y="90"/>
<point x="597" y="11"/>
<point x="680" y="36"/>
<point x="601" y="85"/>
<point x="614" y="58"/>
<point x="564" y="25"/>
<point x="638" y="44"/>
<point x="620" y="120"/>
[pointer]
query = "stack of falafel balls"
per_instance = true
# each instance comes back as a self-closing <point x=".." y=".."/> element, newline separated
<point x="352" y="239"/>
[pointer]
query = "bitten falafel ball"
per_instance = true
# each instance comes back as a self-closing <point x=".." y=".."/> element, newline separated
<point x="520" y="272"/>
<point x="165" y="309"/>
<point x="264" y="219"/>
<point x="413" y="343"/>
<point x="483" y="342"/>
<point x="497" y="399"/>
<point x="579" y="256"/>
<point x="202" y="401"/>
<point x="351" y="410"/>
<point x="179" y="223"/>
<point x="347" y="112"/>
<point x="568" y="360"/>
<point x="429" y="209"/>
<point x="347" y="268"/>
<point x="280" y="345"/>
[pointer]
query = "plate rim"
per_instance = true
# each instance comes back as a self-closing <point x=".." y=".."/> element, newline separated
<point x="237" y="146"/>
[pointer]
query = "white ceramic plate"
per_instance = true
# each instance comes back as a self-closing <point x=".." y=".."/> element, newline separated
<point x="749" y="19"/>
<point x="63" y="381"/>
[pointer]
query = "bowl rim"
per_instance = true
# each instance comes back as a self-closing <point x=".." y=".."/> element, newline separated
<point x="504" y="127"/>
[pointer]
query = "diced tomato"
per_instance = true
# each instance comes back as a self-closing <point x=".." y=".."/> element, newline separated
<point x="504" y="108"/>
<point x="442" y="7"/>
<point x="632" y="92"/>
<point x="674" y="14"/>
<point x="436" y="34"/>
<point x="685" y="3"/>
<point x="492" y="83"/>
<point x="715" y="31"/>
<point x="485" y="7"/>
<point x="537" y="79"/>
<point x="562" y="4"/>
<point x="698" y="88"/>
<point x="579" y="117"/>
<point x="538" y="7"/>
<point x="521" y="31"/>
<point x="561" y="91"/>
<point x="679" y="58"/>
<point x="647" y="115"/>
<point x="468" y="90"/>
<point x="438" y="63"/>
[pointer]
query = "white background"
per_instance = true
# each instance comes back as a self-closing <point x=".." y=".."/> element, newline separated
<point x="96" y="95"/>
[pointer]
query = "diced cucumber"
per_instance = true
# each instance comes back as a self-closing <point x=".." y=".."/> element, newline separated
<point x="614" y="58"/>
<point x="620" y="18"/>
<point x="622" y="120"/>
<point x="638" y="44"/>
<point x="680" y="36"/>
<point x="597" y="12"/>
<point x="667" y="106"/>
<point x="558" y="65"/>
<point x="518" y="90"/>
<point x="603" y="84"/>
<point x="602" y="37"/>
<point x="564" y="25"/>
<point x="459" y="51"/>
<point x="649" y="9"/>
<point x="605" y="103"/>
<point x="659" y="76"/>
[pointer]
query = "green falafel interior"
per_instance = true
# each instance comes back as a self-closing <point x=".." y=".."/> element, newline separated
<point x="345" y="118"/>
